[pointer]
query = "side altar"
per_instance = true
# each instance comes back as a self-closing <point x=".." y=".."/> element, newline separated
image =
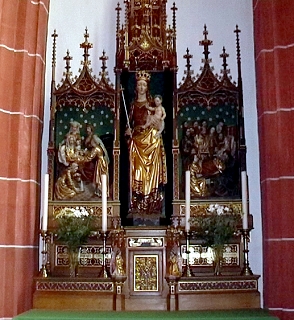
<point x="146" y="179"/>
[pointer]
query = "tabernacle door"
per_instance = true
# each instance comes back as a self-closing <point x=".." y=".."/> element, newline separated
<point x="145" y="259"/>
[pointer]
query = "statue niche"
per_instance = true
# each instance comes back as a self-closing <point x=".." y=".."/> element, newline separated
<point x="82" y="133"/>
<point x="146" y="150"/>
<point x="208" y="120"/>
<point x="84" y="160"/>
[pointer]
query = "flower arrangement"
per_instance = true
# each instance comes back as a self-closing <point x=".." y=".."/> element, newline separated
<point x="74" y="226"/>
<point x="216" y="225"/>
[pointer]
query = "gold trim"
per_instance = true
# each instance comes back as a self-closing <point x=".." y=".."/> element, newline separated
<point x="146" y="273"/>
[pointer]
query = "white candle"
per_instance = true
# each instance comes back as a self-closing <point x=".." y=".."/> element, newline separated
<point x="187" y="202"/>
<point x="104" y="202"/>
<point x="45" y="202"/>
<point x="244" y="199"/>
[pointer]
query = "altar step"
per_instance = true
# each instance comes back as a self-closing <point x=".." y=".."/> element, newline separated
<point x="202" y="293"/>
<point x="145" y="303"/>
<point x="252" y="314"/>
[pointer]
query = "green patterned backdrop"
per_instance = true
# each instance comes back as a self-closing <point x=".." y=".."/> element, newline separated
<point x="101" y="118"/>
<point x="190" y="113"/>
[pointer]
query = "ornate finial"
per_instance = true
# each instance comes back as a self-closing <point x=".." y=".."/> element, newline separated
<point x="237" y="31"/>
<point x="54" y="36"/>
<point x="86" y="46"/>
<point x="127" y="8"/>
<point x="143" y="75"/>
<point x="205" y="43"/>
<point x="118" y="9"/>
<point x="174" y="9"/>
<point x="188" y="56"/>
<point x="240" y="87"/>
<point x="224" y="55"/>
<point x="103" y="58"/>
<point x="67" y="58"/>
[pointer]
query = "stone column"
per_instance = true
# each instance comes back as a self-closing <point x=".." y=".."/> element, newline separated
<point x="23" y="30"/>
<point x="274" y="52"/>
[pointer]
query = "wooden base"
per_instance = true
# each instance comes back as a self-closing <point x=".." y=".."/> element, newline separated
<point x="145" y="303"/>
<point x="60" y="293"/>
<point x="73" y="301"/>
<point x="194" y="293"/>
<point x="221" y="301"/>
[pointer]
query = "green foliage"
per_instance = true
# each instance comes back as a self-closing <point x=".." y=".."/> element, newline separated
<point x="74" y="226"/>
<point x="216" y="226"/>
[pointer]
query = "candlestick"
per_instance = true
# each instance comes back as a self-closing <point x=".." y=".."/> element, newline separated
<point x="187" y="195"/>
<point x="44" y="252"/>
<point x="244" y="199"/>
<point x="104" y="202"/>
<point x="187" y="271"/>
<point x="103" y="272"/>
<point x="246" y="271"/>
<point x="45" y="202"/>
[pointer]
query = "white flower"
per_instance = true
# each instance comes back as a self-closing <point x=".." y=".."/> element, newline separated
<point x="77" y="212"/>
<point x="210" y="208"/>
<point x="218" y="209"/>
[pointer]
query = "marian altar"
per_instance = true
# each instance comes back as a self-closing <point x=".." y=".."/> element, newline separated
<point x="159" y="168"/>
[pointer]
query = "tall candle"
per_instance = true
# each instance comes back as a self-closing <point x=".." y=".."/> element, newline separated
<point x="187" y="201"/>
<point x="45" y="202"/>
<point x="104" y="202"/>
<point x="244" y="199"/>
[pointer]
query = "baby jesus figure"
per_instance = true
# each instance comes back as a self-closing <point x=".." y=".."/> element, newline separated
<point x="156" y="120"/>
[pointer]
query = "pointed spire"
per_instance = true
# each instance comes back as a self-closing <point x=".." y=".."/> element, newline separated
<point x="240" y="84"/>
<point x="237" y="31"/>
<point x="103" y="58"/>
<point x="188" y="56"/>
<point x="205" y="43"/>
<point x="224" y="55"/>
<point x="174" y="9"/>
<point x="86" y="46"/>
<point x="118" y="9"/>
<point x="54" y="36"/>
<point x="67" y="58"/>
<point x="240" y="88"/>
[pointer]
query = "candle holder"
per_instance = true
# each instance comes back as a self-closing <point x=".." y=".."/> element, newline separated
<point x="44" y="272"/>
<point x="187" y="270"/>
<point x="103" y="273"/>
<point x="246" y="271"/>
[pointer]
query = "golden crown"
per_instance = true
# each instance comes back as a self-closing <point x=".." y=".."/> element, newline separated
<point x="143" y="75"/>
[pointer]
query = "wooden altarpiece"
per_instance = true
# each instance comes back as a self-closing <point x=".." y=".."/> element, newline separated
<point x="205" y="106"/>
